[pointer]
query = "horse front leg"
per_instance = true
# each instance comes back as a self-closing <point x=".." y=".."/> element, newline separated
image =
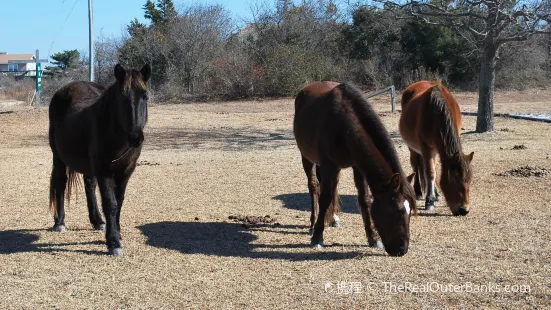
<point x="110" y="210"/>
<point x="373" y="239"/>
<point x="121" y="181"/>
<point x="90" y="184"/>
<point x="329" y="181"/>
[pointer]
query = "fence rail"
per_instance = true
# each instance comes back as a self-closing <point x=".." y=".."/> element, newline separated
<point x="384" y="90"/>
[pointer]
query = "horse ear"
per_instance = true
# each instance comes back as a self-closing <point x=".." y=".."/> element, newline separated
<point x="470" y="157"/>
<point x="146" y="72"/>
<point x="411" y="177"/>
<point x="120" y="73"/>
<point x="395" y="181"/>
<point x="457" y="156"/>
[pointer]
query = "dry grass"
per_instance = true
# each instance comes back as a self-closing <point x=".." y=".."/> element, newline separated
<point x="203" y="163"/>
<point x="11" y="89"/>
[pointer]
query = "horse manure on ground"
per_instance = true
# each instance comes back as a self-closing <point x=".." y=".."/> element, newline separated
<point x="526" y="171"/>
<point x="519" y="147"/>
<point x="252" y="220"/>
<point x="146" y="163"/>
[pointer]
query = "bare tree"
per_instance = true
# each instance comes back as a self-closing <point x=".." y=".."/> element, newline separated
<point x="487" y="25"/>
<point x="196" y="38"/>
<point x="106" y="57"/>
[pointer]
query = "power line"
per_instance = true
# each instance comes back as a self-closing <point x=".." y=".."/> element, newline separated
<point x="63" y="25"/>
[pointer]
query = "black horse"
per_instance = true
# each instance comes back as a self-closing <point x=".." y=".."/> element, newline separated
<point x="97" y="132"/>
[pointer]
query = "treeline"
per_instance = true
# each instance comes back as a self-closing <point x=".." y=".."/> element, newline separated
<point x="199" y="51"/>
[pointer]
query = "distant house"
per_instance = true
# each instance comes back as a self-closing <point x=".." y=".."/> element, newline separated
<point x="7" y="68"/>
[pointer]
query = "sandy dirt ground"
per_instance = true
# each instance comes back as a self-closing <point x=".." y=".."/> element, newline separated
<point x="205" y="166"/>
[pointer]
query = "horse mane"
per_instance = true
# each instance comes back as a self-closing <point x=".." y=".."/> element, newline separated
<point x="372" y="124"/>
<point x="442" y="114"/>
<point x="133" y="80"/>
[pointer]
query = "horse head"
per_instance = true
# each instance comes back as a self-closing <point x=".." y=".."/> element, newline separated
<point x="456" y="182"/>
<point x="391" y="211"/>
<point x="132" y="90"/>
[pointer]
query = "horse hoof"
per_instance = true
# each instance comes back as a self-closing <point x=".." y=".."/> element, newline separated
<point x="429" y="208"/>
<point x="438" y="198"/>
<point x="59" y="228"/>
<point x="317" y="245"/>
<point x="419" y="197"/>
<point x="336" y="224"/>
<point x="377" y="245"/>
<point x="100" y="227"/>
<point x="115" y="252"/>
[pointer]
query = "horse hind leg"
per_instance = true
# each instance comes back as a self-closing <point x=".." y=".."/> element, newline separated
<point x="429" y="169"/>
<point x="58" y="184"/>
<point x="312" y="174"/>
<point x="332" y="217"/>
<point x="329" y="182"/>
<point x="90" y="184"/>
<point x="417" y="165"/>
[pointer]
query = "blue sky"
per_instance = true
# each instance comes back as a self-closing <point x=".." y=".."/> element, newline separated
<point x="56" y="25"/>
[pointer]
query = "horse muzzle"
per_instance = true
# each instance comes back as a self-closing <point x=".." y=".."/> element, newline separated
<point x="461" y="210"/>
<point x="135" y="138"/>
<point x="400" y="250"/>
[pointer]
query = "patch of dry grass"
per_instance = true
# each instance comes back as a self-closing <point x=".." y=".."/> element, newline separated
<point x="10" y="89"/>
<point x="203" y="163"/>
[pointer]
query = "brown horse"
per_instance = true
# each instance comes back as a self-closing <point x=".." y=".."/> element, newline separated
<point x="98" y="132"/>
<point x="336" y="128"/>
<point x="431" y="123"/>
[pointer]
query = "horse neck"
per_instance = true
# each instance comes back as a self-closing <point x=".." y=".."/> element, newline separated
<point x="379" y="174"/>
<point x="108" y="105"/>
<point x="378" y="147"/>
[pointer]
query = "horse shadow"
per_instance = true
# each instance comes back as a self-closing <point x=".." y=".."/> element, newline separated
<point x="302" y="202"/>
<point x="231" y="240"/>
<point x="25" y="240"/>
<point x="348" y="204"/>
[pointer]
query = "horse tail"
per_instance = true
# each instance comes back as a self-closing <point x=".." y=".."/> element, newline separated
<point x="72" y="180"/>
<point x="53" y="201"/>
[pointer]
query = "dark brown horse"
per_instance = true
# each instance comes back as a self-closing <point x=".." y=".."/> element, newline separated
<point x="431" y="123"/>
<point x="97" y="132"/>
<point x="336" y="128"/>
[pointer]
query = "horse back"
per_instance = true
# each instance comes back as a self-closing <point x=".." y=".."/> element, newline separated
<point x="424" y="104"/>
<point x="75" y="95"/>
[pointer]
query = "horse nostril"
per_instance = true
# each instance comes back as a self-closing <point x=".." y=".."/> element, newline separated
<point x="136" y="138"/>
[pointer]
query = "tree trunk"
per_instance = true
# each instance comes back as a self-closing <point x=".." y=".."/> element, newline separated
<point x="485" y="117"/>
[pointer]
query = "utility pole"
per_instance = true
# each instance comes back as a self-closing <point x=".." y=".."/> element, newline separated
<point x="91" y="39"/>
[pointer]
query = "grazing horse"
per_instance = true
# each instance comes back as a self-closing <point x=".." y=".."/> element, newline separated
<point x="97" y="132"/>
<point x="431" y="123"/>
<point x="336" y="128"/>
